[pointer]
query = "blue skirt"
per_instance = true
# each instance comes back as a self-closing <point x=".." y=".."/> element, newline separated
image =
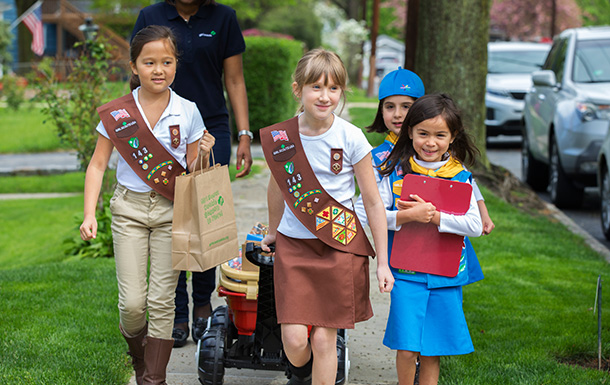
<point x="430" y="322"/>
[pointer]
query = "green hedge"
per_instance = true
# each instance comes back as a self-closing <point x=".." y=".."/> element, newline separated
<point x="268" y="67"/>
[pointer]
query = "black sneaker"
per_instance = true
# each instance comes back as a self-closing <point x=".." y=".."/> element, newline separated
<point x="199" y="327"/>
<point x="180" y="336"/>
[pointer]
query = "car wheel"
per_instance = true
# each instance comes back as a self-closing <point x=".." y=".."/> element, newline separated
<point x="534" y="172"/>
<point x="562" y="191"/>
<point x="605" y="197"/>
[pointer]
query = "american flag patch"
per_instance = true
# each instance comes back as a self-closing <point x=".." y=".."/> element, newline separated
<point x="279" y="135"/>
<point x="119" y="114"/>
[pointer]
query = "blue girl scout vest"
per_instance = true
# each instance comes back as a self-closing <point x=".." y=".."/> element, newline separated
<point x="381" y="152"/>
<point x="469" y="270"/>
<point x="330" y="221"/>
<point x="139" y="147"/>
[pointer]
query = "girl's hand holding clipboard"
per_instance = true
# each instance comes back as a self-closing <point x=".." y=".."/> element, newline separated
<point x="419" y="210"/>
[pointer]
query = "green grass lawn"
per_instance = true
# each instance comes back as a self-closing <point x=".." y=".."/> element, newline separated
<point x="59" y="318"/>
<point x="532" y="311"/>
<point x="25" y="131"/>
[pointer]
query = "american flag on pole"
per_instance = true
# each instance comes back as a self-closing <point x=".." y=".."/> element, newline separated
<point x="33" y="20"/>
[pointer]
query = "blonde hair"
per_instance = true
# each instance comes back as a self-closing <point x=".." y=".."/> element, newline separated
<point x="317" y="63"/>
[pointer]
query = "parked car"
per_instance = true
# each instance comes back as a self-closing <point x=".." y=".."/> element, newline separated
<point x="603" y="180"/>
<point x="509" y="69"/>
<point x="566" y="115"/>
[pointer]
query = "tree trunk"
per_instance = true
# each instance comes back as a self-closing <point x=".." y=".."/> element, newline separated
<point x="370" y="92"/>
<point x="24" y="41"/>
<point x="411" y="34"/>
<point x="352" y="8"/>
<point x="452" y="57"/>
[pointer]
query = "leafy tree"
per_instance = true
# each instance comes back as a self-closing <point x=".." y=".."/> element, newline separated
<point x="5" y="42"/>
<point x="250" y="12"/>
<point x="298" y="21"/>
<point x="527" y="20"/>
<point x="71" y="105"/>
<point x="393" y="18"/>
<point x="595" y="12"/>
<point x="451" y="57"/>
<point x="343" y="36"/>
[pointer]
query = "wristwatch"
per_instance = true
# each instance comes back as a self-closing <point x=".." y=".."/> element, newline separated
<point x="245" y="132"/>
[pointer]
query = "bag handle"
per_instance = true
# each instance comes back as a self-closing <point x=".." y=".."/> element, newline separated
<point x="201" y="157"/>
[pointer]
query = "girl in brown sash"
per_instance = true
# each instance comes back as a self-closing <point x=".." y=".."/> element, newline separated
<point x="321" y="279"/>
<point x="157" y="134"/>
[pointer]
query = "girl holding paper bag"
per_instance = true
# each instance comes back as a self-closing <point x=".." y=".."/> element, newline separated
<point x="426" y="318"/>
<point x="158" y="135"/>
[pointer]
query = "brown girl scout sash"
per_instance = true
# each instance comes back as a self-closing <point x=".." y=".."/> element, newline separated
<point x="139" y="147"/>
<point x="333" y="223"/>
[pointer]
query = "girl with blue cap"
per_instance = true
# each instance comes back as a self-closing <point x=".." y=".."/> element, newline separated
<point x="398" y="90"/>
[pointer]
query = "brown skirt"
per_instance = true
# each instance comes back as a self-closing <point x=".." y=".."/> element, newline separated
<point x="318" y="285"/>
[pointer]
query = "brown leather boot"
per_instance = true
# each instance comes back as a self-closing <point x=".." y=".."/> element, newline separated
<point x="136" y="351"/>
<point x="156" y="357"/>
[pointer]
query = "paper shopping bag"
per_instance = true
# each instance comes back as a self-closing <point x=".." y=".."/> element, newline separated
<point x="204" y="232"/>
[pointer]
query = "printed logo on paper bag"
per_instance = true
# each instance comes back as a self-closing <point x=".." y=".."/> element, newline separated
<point x="212" y="211"/>
<point x="212" y="207"/>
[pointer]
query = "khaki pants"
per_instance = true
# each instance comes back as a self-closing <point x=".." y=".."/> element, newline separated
<point x="141" y="227"/>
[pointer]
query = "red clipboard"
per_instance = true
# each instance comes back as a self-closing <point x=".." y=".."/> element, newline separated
<point x="420" y="246"/>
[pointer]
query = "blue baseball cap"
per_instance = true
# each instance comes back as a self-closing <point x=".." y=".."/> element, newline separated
<point x="401" y="82"/>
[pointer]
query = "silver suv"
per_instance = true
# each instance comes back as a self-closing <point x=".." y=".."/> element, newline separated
<point x="566" y="115"/>
<point x="509" y="68"/>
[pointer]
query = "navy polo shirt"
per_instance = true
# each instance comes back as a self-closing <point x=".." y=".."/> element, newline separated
<point x="209" y="37"/>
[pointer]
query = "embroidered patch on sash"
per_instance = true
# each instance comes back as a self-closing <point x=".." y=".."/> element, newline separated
<point x="340" y="219"/>
<point x="305" y="195"/>
<point x="289" y="167"/>
<point x="126" y="129"/>
<point x="284" y="152"/>
<point x="321" y="223"/>
<point x="352" y="225"/>
<point x="167" y="163"/>
<point x="335" y="211"/>
<point x="341" y="237"/>
<point x="174" y="132"/>
<point x="336" y="160"/>
<point x="343" y="228"/>
<point x="279" y="135"/>
<point x="134" y="142"/>
<point x="120" y="114"/>
<point x="337" y="229"/>
<point x="325" y="213"/>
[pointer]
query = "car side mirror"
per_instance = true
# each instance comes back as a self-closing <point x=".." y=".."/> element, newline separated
<point x="544" y="78"/>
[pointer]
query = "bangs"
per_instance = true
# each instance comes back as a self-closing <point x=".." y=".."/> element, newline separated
<point x="328" y="67"/>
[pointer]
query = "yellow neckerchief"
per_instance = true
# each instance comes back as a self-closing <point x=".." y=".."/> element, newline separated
<point x="392" y="137"/>
<point x="448" y="170"/>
